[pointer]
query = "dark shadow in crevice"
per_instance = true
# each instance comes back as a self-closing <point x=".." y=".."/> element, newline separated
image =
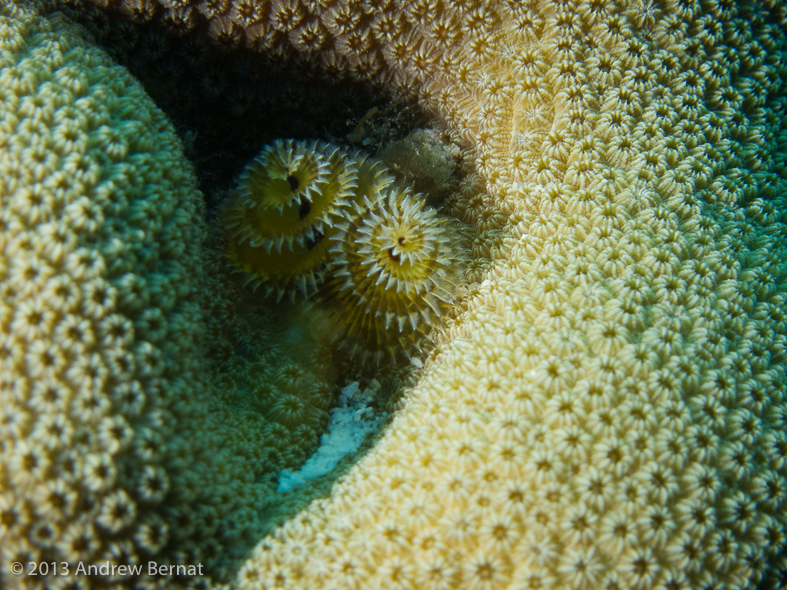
<point x="226" y="103"/>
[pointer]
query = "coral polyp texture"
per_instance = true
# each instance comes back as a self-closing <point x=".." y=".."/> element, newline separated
<point x="393" y="266"/>
<point x="99" y="315"/>
<point x="607" y="410"/>
<point x="110" y="452"/>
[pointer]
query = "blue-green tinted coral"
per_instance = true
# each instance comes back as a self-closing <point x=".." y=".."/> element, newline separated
<point x="100" y="226"/>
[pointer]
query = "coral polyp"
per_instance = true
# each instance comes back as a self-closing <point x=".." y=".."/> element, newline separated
<point x="394" y="267"/>
<point x="277" y="222"/>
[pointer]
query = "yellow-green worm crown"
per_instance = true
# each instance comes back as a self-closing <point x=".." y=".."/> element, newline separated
<point x="312" y="219"/>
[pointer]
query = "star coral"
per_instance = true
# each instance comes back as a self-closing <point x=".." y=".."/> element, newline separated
<point x="113" y="450"/>
<point x="608" y="410"/>
<point x="99" y="312"/>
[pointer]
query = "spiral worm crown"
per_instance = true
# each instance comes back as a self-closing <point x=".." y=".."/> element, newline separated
<point x="284" y="205"/>
<point x="393" y="272"/>
<point x="314" y="219"/>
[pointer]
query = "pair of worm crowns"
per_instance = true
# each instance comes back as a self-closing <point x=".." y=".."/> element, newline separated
<point x="313" y="220"/>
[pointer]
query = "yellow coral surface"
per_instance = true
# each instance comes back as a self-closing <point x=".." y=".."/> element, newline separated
<point x="607" y="411"/>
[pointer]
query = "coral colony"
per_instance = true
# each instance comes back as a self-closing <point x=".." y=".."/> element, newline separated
<point x="606" y="409"/>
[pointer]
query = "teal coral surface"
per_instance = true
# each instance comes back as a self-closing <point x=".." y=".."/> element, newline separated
<point x="101" y="320"/>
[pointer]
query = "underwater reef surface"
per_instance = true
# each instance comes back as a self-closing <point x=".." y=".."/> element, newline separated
<point x="606" y="409"/>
